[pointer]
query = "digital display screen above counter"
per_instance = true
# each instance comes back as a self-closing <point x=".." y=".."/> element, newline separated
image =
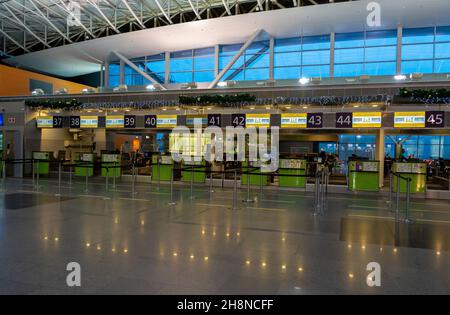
<point x="166" y="121"/>
<point x="294" y="121"/>
<point x="409" y="120"/>
<point x="116" y="121"/>
<point x="49" y="122"/>
<point x="366" y="120"/>
<point x="196" y="120"/>
<point x="257" y="120"/>
<point x="88" y="122"/>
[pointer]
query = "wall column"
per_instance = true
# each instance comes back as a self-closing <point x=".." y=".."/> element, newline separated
<point x="122" y="72"/>
<point x="399" y="49"/>
<point x="380" y="154"/>
<point x="106" y="74"/>
<point x="332" y="44"/>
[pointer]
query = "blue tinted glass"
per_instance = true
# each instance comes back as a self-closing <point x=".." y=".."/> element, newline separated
<point x="347" y="40"/>
<point x="425" y="66"/>
<point x="258" y="47"/>
<point x="257" y="61"/>
<point x="223" y="62"/>
<point x="230" y="49"/>
<point x="233" y="75"/>
<point x="256" y="74"/>
<point x="412" y="52"/>
<point x="204" y="63"/>
<point x="381" y="38"/>
<point x="442" y="66"/>
<point x="349" y="55"/>
<point x="443" y="34"/>
<point x="316" y="42"/>
<point x="287" y="44"/>
<point x="428" y="151"/>
<point x="389" y="150"/>
<point x="445" y="152"/>
<point x="209" y="51"/>
<point x="316" y="71"/>
<point x="352" y="70"/>
<point x="318" y="57"/>
<point x="442" y="50"/>
<point x="204" y="76"/>
<point x="156" y="57"/>
<point x="287" y="73"/>
<point x="428" y="140"/>
<point x="114" y="80"/>
<point x="380" y="68"/>
<point x="418" y="35"/>
<point x="156" y="66"/>
<point x="114" y="69"/>
<point x="445" y="140"/>
<point x="347" y="138"/>
<point x="180" y="65"/>
<point x="410" y="150"/>
<point x="181" y="77"/>
<point x="362" y="139"/>
<point x="181" y="54"/>
<point x="388" y="53"/>
<point x="287" y="59"/>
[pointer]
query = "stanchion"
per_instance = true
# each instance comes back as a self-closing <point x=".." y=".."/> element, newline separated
<point x="172" y="202"/>
<point x="397" y="199"/>
<point x="192" y="182"/>
<point x="87" y="182"/>
<point x="159" y="175"/>
<point x="261" y="184"/>
<point x="133" y="179"/>
<point x="59" y="179"/>
<point x="235" y="191"/>
<point x="408" y="220"/>
<point x="107" y="178"/>
<point x="248" y="200"/>
<point x="316" y="211"/>
<point x="390" y="191"/>
<point x="114" y="175"/>
<point x="4" y="173"/>
<point x="33" y="172"/>
<point x="211" y="190"/>
<point x="37" y="176"/>
<point x="70" y="175"/>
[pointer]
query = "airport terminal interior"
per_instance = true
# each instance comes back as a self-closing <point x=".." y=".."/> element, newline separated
<point x="244" y="147"/>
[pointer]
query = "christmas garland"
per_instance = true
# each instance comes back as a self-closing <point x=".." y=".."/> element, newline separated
<point x="53" y="104"/>
<point x="438" y="96"/>
<point x="217" y="99"/>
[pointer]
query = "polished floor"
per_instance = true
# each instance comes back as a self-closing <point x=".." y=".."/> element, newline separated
<point x="139" y="244"/>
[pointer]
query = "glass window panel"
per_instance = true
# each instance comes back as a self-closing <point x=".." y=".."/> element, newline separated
<point x="413" y="52"/>
<point x="181" y="77"/>
<point x="287" y="73"/>
<point x="381" y="38"/>
<point x="410" y="150"/>
<point x="181" y="54"/>
<point x="287" y="59"/>
<point x="445" y="140"/>
<point x="445" y="152"/>
<point x="230" y="49"/>
<point x="429" y="151"/>
<point x="443" y="34"/>
<point x="256" y="74"/>
<point x="389" y="150"/>
<point x="180" y="64"/>
<point x="429" y="140"/>
<point x="388" y="53"/>
<point x="204" y="76"/>
<point x="114" y="69"/>
<point x="258" y="47"/>
<point x="347" y="40"/>
<point x="316" y="57"/>
<point x="442" y="50"/>
<point x="223" y="61"/>
<point x="316" y="42"/>
<point x="349" y="55"/>
<point x="362" y="139"/>
<point x="204" y="63"/>
<point x="114" y="80"/>
<point x="287" y="44"/>
<point x="209" y="51"/>
<point x="156" y="66"/>
<point x="425" y="66"/>
<point x="418" y="35"/>
<point x="442" y="66"/>
<point x="347" y="138"/>
<point x="257" y="61"/>
<point x="348" y="70"/>
<point x="156" y="57"/>
<point x="316" y="71"/>
<point x="410" y="140"/>
<point x="380" y="68"/>
<point x="238" y="77"/>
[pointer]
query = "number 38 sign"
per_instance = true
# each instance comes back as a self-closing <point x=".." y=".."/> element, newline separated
<point x="435" y="119"/>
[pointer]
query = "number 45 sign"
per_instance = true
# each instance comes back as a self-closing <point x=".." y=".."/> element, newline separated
<point x="435" y="119"/>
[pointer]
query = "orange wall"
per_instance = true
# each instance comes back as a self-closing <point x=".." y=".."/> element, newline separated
<point x="15" y="82"/>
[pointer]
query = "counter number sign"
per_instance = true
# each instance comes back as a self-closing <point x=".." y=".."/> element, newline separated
<point x="435" y="119"/>
<point x="150" y="121"/>
<point x="215" y="120"/>
<point x="344" y="120"/>
<point x="75" y="122"/>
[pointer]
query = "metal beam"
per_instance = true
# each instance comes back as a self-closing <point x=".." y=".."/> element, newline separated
<point x="65" y="8"/>
<point x="194" y="9"/>
<point x="13" y="40"/>
<point x="135" y="68"/>
<point x="103" y="15"/>
<point x="24" y="26"/>
<point x="163" y="12"/>
<point x="49" y="22"/>
<point x="227" y="7"/>
<point x="235" y="58"/>
<point x="133" y="14"/>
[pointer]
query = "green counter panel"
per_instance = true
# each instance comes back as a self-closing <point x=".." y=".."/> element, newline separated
<point x="112" y="170"/>
<point x="165" y="172"/>
<point x="198" y="174"/>
<point x="255" y="179"/>
<point x="363" y="181"/>
<point x="43" y="167"/>
<point x="418" y="183"/>
<point x="291" y="181"/>
<point x="88" y="170"/>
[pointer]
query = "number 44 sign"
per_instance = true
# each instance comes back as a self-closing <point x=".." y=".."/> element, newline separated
<point x="435" y="119"/>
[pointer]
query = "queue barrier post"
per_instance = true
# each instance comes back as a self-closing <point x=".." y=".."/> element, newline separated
<point x="192" y="182"/>
<point x="107" y="178"/>
<point x="59" y="178"/>
<point x="33" y="172"/>
<point x="87" y="182"/>
<point x="397" y="202"/>
<point x="37" y="175"/>
<point x="235" y="191"/>
<point x="248" y="200"/>
<point x="114" y="175"/>
<point x="172" y="202"/>
<point x="408" y="220"/>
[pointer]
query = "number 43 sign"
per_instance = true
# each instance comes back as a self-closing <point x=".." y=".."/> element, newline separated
<point x="435" y="119"/>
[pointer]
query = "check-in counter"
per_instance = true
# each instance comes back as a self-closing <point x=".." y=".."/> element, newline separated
<point x="84" y="164"/>
<point x="111" y="165"/>
<point x="364" y="175"/>
<point x="254" y="177"/>
<point x="195" y="170"/>
<point x="417" y="172"/>
<point x="296" y="169"/>
<point x="41" y="162"/>
<point x="162" y="170"/>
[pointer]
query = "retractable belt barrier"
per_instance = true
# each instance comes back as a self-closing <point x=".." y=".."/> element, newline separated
<point x="408" y="180"/>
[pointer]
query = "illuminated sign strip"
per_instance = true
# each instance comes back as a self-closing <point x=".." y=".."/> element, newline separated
<point x="409" y="120"/>
<point x="367" y="120"/>
<point x="88" y="121"/>
<point x="257" y="120"/>
<point x="44" y="122"/>
<point x="166" y="121"/>
<point x="294" y="120"/>
<point x="115" y="121"/>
